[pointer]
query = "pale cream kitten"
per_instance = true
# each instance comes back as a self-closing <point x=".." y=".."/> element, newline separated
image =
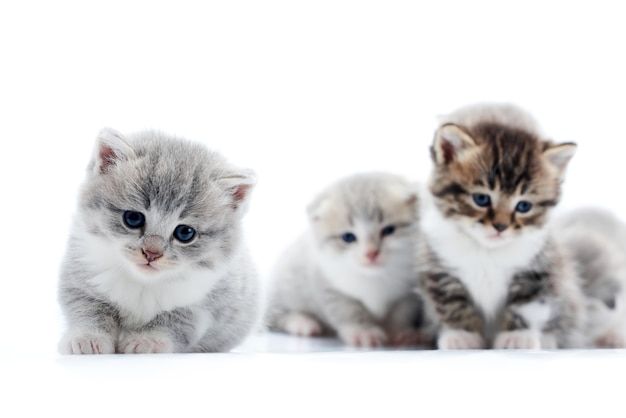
<point x="353" y="272"/>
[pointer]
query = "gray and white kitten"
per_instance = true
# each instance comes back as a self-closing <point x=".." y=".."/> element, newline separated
<point x="353" y="272"/>
<point x="596" y="239"/>
<point x="492" y="273"/>
<point x="155" y="261"/>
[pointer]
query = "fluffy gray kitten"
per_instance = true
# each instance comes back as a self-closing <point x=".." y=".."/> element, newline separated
<point x="596" y="240"/>
<point x="352" y="272"/>
<point x="155" y="261"/>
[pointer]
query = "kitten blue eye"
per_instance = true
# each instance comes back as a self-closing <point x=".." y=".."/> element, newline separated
<point x="184" y="233"/>
<point x="523" y="206"/>
<point x="388" y="230"/>
<point x="481" y="200"/>
<point x="134" y="219"/>
<point x="348" y="237"/>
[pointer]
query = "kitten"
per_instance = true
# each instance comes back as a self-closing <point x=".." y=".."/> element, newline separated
<point x="596" y="239"/>
<point x="353" y="272"/>
<point x="155" y="261"/>
<point x="491" y="273"/>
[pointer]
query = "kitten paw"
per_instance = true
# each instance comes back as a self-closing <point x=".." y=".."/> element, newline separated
<point x="456" y="339"/>
<point x="611" y="340"/>
<point x="410" y="338"/>
<point x="363" y="336"/>
<point x="87" y="343"/>
<point x="145" y="344"/>
<point x="522" y="339"/>
<point x="301" y="324"/>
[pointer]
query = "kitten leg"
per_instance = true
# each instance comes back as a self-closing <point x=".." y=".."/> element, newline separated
<point x="93" y="325"/>
<point x="527" y="313"/>
<point x="355" y="325"/>
<point x="406" y="325"/>
<point x="146" y="342"/>
<point x="302" y="324"/>
<point x="611" y="339"/>
<point x="460" y="321"/>
<point x="169" y="332"/>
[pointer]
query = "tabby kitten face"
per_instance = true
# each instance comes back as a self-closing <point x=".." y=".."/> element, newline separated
<point x="494" y="182"/>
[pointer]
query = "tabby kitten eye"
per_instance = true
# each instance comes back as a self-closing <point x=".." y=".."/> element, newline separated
<point x="134" y="219"/>
<point x="481" y="200"/>
<point x="348" y="237"/>
<point x="523" y="206"/>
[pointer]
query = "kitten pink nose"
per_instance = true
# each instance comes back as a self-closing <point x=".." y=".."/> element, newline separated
<point x="500" y="227"/>
<point x="151" y="254"/>
<point x="372" y="255"/>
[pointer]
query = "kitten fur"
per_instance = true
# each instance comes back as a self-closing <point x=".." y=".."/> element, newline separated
<point x="596" y="239"/>
<point x="492" y="275"/>
<point x="362" y="290"/>
<point x="139" y="288"/>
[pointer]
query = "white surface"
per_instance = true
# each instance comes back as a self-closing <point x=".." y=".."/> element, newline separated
<point x="302" y="92"/>
<point x="285" y="376"/>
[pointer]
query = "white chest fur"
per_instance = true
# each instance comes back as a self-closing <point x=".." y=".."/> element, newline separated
<point x="485" y="272"/>
<point x="140" y="301"/>
<point x="376" y="290"/>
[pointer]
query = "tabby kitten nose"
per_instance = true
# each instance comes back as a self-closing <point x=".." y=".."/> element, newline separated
<point x="151" y="255"/>
<point x="500" y="227"/>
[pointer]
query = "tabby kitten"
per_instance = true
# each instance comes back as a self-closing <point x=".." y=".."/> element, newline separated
<point x="596" y="240"/>
<point x="155" y="261"/>
<point x="352" y="272"/>
<point x="491" y="272"/>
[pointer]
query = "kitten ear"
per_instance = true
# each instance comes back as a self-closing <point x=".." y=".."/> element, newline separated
<point x="111" y="146"/>
<point x="239" y="185"/>
<point x="450" y="142"/>
<point x="559" y="155"/>
<point x="317" y="208"/>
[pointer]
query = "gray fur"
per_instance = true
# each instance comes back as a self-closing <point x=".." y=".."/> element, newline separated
<point x="195" y="296"/>
<point x="596" y="240"/>
<point x="323" y="284"/>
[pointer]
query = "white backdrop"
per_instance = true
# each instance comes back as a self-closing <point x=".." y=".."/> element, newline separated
<point x="302" y="92"/>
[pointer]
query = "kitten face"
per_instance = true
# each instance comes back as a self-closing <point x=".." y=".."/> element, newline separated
<point x="365" y="223"/>
<point x="155" y="205"/>
<point x="494" y="182"/>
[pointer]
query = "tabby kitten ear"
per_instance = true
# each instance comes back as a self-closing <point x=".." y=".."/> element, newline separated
<point x="559" y="155"/>
<point x="111" y="147"/>
<point x="239" y="185"/>
<point x="450" y="142"/>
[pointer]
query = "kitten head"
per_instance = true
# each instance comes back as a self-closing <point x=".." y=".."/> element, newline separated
<point x="494" y="181"/>
<point x="156" y="204"/>
<point x="365" y="222"/>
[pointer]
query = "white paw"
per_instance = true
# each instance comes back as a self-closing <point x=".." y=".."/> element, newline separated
<point x="457" y="339"/>
<point x="523" y="339"/>
<point x="297" y="323"/>
<point x="146" y="343"/>
<point x="363" y="336"/>
<point x="87" y="343"/>
<point x="612" y="339"/>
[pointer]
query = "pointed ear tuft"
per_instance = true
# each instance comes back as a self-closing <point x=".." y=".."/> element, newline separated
<point x="450" y="141"/>
<point x="111" y="146"/>
<point x="239" y="185"/>
<point x="558" y="156"/>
